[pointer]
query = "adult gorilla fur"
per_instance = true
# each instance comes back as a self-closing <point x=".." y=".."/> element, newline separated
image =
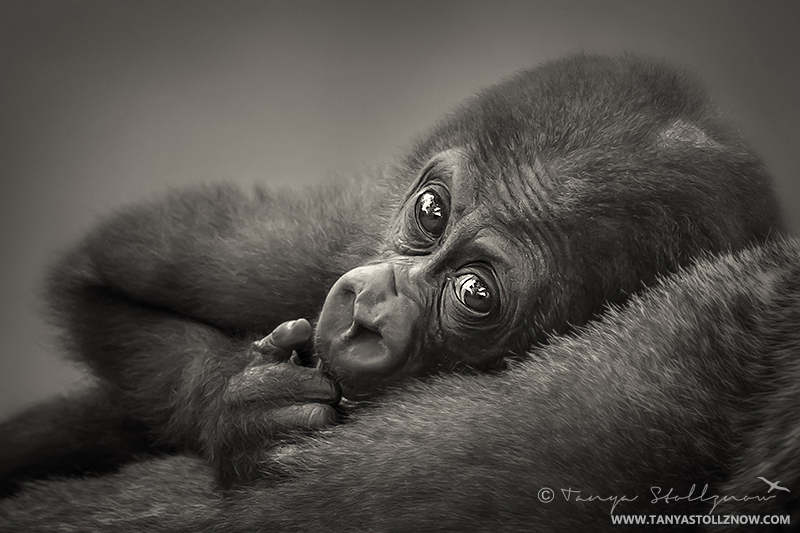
<point x="618" y="171"/>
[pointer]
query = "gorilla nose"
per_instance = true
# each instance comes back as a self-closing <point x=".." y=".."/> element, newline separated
<point x="366" y="329"/>
<point x="375" y="289"/>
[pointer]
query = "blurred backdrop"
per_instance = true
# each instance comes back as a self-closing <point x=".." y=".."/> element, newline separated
<point x="104" y="103"/>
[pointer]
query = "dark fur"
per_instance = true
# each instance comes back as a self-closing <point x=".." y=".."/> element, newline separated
<point x="694" y="382"/>
<point x="618" y="170"/>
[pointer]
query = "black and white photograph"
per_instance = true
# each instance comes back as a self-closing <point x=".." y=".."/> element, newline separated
<point x="371" y="266"/>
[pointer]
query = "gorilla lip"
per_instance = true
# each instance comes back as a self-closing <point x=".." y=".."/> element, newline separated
<point x="362" y="352"/>
<point x="356" y="330"/>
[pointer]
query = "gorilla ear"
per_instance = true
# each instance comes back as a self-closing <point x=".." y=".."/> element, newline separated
<point x="681" y="134"/>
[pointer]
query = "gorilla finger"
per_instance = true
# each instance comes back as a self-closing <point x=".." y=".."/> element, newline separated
<point x="281" y="383"/>
<point x="292" y="335"/>
<point x="242" y="429"/>
<point x="284" y="338"/>
<point x="309" y="415"/>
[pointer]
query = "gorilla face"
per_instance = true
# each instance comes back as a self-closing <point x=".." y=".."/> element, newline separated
<point x="528" y="210"/>
<point x="449" y="284"/>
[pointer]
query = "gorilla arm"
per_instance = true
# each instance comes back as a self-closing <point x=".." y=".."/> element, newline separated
<point x="677" y="389"/>
<point x="163" y="301"/>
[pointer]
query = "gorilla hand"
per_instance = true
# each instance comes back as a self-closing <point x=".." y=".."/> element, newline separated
<point x="272" y="399"/>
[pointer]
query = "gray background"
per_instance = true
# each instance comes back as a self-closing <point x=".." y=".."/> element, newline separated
<point x="104" y="103"/>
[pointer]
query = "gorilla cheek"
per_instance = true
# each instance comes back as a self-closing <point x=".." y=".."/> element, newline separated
<point x="367" y="330"/>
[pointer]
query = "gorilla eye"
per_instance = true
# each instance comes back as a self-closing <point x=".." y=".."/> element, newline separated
<point x="473" y="292"/>
<point x="431" y="213"/>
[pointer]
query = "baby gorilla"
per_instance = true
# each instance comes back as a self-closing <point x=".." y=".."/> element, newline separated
<point x="524" y="213"/>
<point x="449" y="297"/>
<point x="379" y="319"/>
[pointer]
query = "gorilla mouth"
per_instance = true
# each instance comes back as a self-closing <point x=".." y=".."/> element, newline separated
<point x="355" y="351"/>
<point x="355" y="355"/>
<point x="362" y="362"/>
<point x="358" y="330"/>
